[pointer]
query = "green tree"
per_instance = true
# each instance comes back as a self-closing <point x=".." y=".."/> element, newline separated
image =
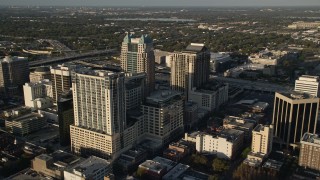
<point x="220" y="165"/>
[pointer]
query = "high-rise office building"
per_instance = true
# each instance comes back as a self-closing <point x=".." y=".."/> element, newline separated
<point x="99" y="112"/>
<point x="14" y="72"/>
<point x="310" y="151"/>
<point x="163" y="115"/>
<point x="293" y="115"/>
<point x="35" y="91"/>
<point x="66" y="117"/>
<point x="137" y="56"/>
<point x="190" y="68"/>
<point x="308" y="84"/>
<point x="61" y="80"/>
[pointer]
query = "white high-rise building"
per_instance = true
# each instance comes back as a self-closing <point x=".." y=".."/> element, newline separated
<point x="99" y="112"/>
<point x="308" y="84"/>
<point x="33" y="92"/>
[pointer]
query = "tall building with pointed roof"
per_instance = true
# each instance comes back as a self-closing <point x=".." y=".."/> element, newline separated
<point x="137" y="56"/>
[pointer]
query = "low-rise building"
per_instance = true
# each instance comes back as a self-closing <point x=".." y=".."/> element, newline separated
<point x="210" y="96"/>
<point x="53" y="165"/>
<point x="39" y="74"/>
<point x="232" y="122"/>
<point x="37" y="94"/>
<point x="156" y="168"/>
<point x="93" y="168"/>
<point x="24" y="124"/>
<point x="177" y="150"/>
<point x="131" y="158"/>
<point x="226" y="144"/>
<point x="310" y="151"/>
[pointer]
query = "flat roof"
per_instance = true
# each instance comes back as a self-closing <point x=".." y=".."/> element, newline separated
<point x="165" y="162"/>
<point x="176" y="172"/>
<point x="162" y="97"/>
<point x="90" y="165"/>
<point x="311" y="138"/>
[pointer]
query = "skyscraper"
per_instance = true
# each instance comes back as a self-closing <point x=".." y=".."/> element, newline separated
<point x="99" y="111"/>
<point x="134" y="83"/>
<point x="308" y="84"/>
<point x="190" y="69"/>
<point x="61" y="80"/>
<point x="66" y="117"/>
<point x="14" y="73"/>
<point x="137" y="56"/>
<point x="293" y="115"/>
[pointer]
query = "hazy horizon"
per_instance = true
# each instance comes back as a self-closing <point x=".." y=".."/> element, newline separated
<point x="162" y="3"/>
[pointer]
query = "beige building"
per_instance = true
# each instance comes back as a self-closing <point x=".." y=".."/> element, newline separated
<point x="53" y="165"/>
<point x="40" y="74"/>
<point x="190" y="68"/>
<point x="308" y="84"/>
<point x="304" y="25"/>
<point x="36" y="92"/>
<point x="137" y="56"/>
<point x="310" y="151"/>
<point x="99" y="112"/>
<point x="226" y="144"/>
<point x="61" y="80"/>
<point x="262" y="137"/>
<point x="163" y="115"/>
<point x="293" y="115"/>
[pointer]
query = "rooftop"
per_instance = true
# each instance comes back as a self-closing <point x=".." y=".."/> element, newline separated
<point x="165" y="162"/>
<point x="176" y="172"/>
<point x="9" y="59"/>
<point x="153" y="166"/>
<point x="230" y="134"/>
<point x="163" y="97"/>
<point x="311" y="138"/>
<point x="294" y="95"/>
<point x="196" y="47"/>
<point x="260" y="127"/>
<point x="89" y="166"/>
<point x="60" y="159"/>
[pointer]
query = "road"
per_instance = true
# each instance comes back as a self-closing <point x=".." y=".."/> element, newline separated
<point x="70" y="57"/>
<point x="254" y="85"/>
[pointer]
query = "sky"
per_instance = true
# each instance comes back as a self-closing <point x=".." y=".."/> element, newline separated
<point x="212" y="3"/>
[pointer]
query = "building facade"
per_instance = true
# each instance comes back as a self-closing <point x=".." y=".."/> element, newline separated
<point x="190" y="68"/>
<point x="61" y="80"/>
<point x="66" y="118"/>
<point x="39" y="74"/>
<point x="35" y="90"/>
<point x="225" y="145"/>
<point x="163" y="115"/>
<point x="310" y="151"/>
<point x="99" y="112"/>
<point x="14" y="73"/>
<point x="308" y="84"/>
<point x="293" y="115"/>
<point x="137" y="56"/>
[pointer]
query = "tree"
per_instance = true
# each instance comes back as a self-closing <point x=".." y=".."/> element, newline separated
<point x="220" y="165"/>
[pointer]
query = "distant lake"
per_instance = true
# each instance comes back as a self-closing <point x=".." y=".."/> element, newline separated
<point x="151" y="19"/>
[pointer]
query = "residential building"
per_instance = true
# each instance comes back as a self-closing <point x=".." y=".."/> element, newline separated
<point x="53" y="165"/>
<point x="40" y="74"/>
<point x="304" y="25"/>
<point x="190" y="68"/>
<point x="137" y="56"/>
<point x="66" y="117"/>
<point x="163" y="115"/>
<point x="262" y="137"/>
<point x="227" y="144"/>
<point x="99" y="112"/>
<point x="308" y="84"/>
<point x="93" y="168"/>
<point x="310" y="151"/>
<point x="293" y="115"/>
<point x="14" y="72"/>
<point x="61" y="80"/>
